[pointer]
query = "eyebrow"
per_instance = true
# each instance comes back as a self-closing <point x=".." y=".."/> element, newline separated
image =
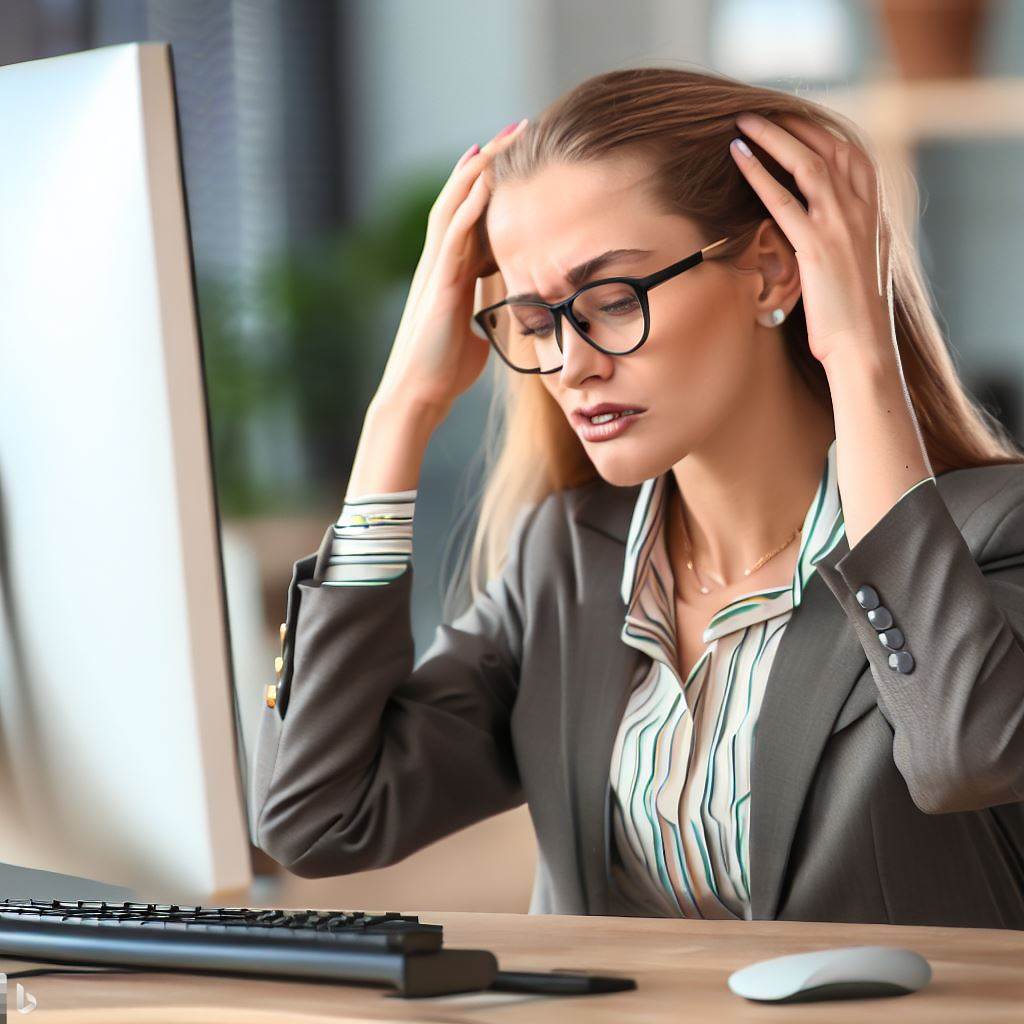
<point x="586" y="270"/>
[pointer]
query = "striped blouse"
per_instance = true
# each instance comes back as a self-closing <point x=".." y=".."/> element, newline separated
<point x="679" y="774"/>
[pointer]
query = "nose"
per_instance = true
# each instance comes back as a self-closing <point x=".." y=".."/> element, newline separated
<point x="580" y="360"/>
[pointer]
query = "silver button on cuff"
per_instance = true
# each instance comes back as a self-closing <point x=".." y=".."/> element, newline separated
<point x="880" y="617"/>
<point x="891" y="638"/>
<point x="902" y="661"/>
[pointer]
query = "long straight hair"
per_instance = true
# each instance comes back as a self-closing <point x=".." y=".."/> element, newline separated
<point x="681" y="121"/>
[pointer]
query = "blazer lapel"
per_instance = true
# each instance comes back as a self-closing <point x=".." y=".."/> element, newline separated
<point x="818" y="661"/>
<point x="600" y="675"/>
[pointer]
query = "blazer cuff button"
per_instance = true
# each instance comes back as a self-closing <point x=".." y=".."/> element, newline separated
<point x="892" y="638"/>
<point x="880" y="617"/>
<point x="902" y="661"/>
<point x="867" y="597"/>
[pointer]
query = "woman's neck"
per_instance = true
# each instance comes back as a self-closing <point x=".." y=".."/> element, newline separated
<point x="749" y="487"/>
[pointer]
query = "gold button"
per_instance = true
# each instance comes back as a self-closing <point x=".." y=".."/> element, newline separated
<point x="284" y="630"/>
<point x="278" y="664"/>
<point x="271" y="694"/>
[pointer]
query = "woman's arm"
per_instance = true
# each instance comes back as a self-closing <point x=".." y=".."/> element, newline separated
<point x="958" y="714"/>
<point x="366" y="756"/>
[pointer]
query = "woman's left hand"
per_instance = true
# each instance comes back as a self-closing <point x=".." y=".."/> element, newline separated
<point x="841" y="249"/>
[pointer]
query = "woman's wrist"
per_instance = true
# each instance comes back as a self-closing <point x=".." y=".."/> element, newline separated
<point x="392" y="446"/>
<point x="413" y="411"/>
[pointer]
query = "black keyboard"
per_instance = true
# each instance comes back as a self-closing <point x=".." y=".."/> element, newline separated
<point x="334" y="945"/>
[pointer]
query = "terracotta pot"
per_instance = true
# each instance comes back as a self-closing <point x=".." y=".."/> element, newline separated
<point x="933" y="38"/>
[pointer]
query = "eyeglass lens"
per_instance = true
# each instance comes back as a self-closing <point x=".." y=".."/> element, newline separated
<point x="611" y="316"/>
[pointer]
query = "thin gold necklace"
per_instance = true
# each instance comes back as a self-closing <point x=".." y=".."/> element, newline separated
<point x="746" y="572"/>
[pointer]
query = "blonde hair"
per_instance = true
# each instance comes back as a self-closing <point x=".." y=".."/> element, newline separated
<point x="681" y="121"/>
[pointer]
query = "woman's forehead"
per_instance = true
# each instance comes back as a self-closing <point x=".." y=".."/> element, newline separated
<point x="565" y="193"/>
<point x="546" y="227"/>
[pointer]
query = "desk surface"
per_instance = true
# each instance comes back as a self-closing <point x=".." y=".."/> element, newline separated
<point x="680" y="967"/>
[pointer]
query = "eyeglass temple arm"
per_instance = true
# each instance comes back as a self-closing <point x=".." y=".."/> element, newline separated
<point x="475" y="327"/>
<point x="481" y="333"/>
<point x="708" y="248"/>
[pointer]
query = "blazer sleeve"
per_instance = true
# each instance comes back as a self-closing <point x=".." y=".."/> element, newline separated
<point x="944" y="638"/>
<point x="367" y="756"/>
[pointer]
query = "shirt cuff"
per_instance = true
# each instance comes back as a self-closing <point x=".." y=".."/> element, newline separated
<point x="372" y="539"/>
<point x="918" y="484"/>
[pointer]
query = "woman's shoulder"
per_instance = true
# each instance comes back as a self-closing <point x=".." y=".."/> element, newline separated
<point x="999" y="486"/>
<point x="987" y="503"/>
<point x="572" y="540"/>
<point x="575" y="530"/>
<point x="594" y="504"/>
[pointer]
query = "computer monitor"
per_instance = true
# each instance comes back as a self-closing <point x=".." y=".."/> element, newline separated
<point x="119" y="750"/>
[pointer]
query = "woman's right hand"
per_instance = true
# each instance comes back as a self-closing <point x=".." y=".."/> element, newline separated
<point x="436" y="356"/>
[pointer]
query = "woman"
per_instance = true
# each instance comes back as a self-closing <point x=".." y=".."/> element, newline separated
<point x="755" y="649"/>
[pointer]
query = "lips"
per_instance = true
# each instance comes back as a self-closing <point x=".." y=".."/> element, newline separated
<point x="583" y="414"/>
<point x="608" y="430"/>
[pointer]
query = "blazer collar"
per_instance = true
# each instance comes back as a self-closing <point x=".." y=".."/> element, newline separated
<point x="817" y="664"/>
<point x="603" y="507"/>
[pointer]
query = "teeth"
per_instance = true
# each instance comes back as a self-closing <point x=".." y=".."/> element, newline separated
<point x="607" y="417"/>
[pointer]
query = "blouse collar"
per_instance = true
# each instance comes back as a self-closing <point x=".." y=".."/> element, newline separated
<point x="647" y="578"/>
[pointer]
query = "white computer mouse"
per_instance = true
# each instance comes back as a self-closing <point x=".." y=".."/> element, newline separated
<point x="849" y="972"/>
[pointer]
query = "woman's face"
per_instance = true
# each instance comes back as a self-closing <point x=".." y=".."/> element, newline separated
<point x="700" y="359"/>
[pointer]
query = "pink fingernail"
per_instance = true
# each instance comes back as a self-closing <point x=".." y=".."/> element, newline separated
<point x="472" y="151"/>
<point x="508" y="128"/>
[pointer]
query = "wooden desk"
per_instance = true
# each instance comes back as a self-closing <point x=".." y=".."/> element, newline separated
<point x="680" y="968"/>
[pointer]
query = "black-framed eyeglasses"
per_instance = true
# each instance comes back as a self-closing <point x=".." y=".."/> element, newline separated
<point x="611" y="314"/>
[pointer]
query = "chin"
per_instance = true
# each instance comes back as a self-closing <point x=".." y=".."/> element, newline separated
<point x="630" y="465"/>
<point x="624" y="472"/>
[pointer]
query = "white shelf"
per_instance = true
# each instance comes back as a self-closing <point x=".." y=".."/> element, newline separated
<point x="899" y="115"/>
<point x="908" y="112"/>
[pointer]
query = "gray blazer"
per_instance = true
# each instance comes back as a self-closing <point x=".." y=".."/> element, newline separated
<point x="878" y="794"/>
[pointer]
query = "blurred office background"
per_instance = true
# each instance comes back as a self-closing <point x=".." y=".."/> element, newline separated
<point x="316" y="135"/>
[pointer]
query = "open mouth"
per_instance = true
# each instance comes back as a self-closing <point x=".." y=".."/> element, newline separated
<point x="607" y="417"/>
<point x="604" y="426"/>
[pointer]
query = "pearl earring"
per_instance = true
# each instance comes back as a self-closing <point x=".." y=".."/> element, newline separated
<point x="775" y="317"/>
